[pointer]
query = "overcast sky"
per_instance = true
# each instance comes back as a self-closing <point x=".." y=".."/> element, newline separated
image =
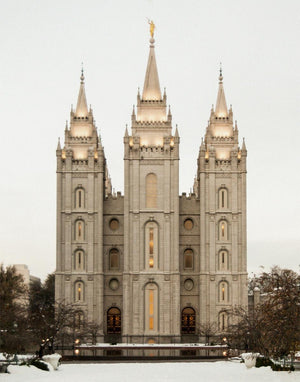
<point x="42" y="46"/>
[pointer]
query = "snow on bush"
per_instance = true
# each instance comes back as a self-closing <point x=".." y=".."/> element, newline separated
<point x="52" y="359"/>
<point x="249" y="359"/>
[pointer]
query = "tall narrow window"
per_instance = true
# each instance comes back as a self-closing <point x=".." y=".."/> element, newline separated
<point x="223" y="198"/>
<point x="151" y="308"/>
<point x="79" y="230"/>
<point x="114" y="259"/>
<point x="79" y="260"/>
<point x="223" y="292"/>
<point x="151" y="245"/>
<point x="223" y="321"/>
<point x="151" y="191"/>
<point x="79" y="198"/>
<point x="188" y="259"/>
<point x="79" y="320"/>
<point x="79" y="290"/>
<point x="223" y="260"/>
<point x="223" y="230"/>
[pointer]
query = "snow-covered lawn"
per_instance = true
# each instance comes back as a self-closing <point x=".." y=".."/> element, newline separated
<point x="222" y="371"/>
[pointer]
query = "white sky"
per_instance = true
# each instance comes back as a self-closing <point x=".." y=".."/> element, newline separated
<point x="42" y="46"/>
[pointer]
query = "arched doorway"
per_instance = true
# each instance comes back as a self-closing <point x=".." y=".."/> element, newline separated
<point x="113" y="321"/>
<point x="188" y="321"/>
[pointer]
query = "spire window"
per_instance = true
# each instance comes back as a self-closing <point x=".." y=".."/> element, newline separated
<point x="223" y="230"/>
<point x="223" y="321"/>
<point x="79" y="198"/>
<point x="151" y="307"/>
<point x="223" y="198"/>
<point x="79" y="230"/>
<point x="151" y="246"/>
<point x="114" y="259"/>
<point x="79" y="260"/>
<point x="223" y="292"/>
<point x="188" y="259"/>
<point x="79" y="291"/>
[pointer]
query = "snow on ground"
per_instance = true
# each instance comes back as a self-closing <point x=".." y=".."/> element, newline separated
<point x="149" y="372"/>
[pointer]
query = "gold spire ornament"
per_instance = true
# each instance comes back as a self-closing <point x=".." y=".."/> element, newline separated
<point x="152" y="27"/>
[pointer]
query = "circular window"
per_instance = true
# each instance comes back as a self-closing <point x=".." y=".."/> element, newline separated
<point x="188" y="284"/>
<point x="114" y="284"/>
<point x="114" y="224"/>
<point x="188" y="224"/>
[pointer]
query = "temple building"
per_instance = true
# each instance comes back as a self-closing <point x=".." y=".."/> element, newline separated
<point x="150" y="265"/>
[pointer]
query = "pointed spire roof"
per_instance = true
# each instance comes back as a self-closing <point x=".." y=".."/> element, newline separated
<point x="81" y="108"/>
<point x="151" y="89"/>
<point x="221" y="106"/>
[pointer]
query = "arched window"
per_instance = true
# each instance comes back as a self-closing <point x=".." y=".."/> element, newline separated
<point x="223" y="321"/>
<point x="79" y="198"/>
<point x="223" y="230"/>
<point x="188" y="259"/>
<point x="223" y="198"/>
<point x="114" y="259"/>
<point x="79" y="291"/>
<point x="188" y="321"/>
<point x="223" y="292"/>
<point x="223" y="260"/>
<point x="151" y="245"/>
<point x="79" y="320"/>
<point x="79" y="230"/>
<point x="79" y="260"/>
<point x="151" y="308"/>
<point x="151" y="191"/>
<point x="113" y="321"/>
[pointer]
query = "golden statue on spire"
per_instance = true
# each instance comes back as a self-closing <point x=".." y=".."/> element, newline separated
<point x="152" y="27"/>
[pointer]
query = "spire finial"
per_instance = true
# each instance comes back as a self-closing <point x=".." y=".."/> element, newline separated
<point x="82" y="75"/>
<point x="152" y="28"/>
<point x="221" y="73"/>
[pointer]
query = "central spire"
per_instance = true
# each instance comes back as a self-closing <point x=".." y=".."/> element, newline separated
<point x="221" y="106"/>
<point x="81" y="108"/>
<point x="151" y="89"/>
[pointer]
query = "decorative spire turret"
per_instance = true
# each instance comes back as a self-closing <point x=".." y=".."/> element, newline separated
<point x="81" y="108"/>
<point x="221" y="106"/>
<point x="151" y="89"/>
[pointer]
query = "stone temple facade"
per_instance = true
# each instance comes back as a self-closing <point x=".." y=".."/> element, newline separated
<point x="152" y="266"/>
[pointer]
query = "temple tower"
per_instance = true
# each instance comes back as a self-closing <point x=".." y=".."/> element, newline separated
<point x="221" y="189"/>
<point x="151" y="282"/>
<point x="82" y="184"/>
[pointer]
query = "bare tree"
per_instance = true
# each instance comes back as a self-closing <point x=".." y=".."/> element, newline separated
<point x="273" y="328"/>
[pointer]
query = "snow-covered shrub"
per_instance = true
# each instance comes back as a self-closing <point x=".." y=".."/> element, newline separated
<point x="53" y="359"/>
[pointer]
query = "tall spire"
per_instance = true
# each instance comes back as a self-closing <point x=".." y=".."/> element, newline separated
<point x="221" y="106"/>
<point x="81" y="108"/>
<point x="151" y="89"/>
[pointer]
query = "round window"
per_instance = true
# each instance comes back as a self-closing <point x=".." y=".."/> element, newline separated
<point x="114" y="284"/>
<point x="188" y="284"/>
<point x="114" y="224"/>
<point x="188" y="224"/>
